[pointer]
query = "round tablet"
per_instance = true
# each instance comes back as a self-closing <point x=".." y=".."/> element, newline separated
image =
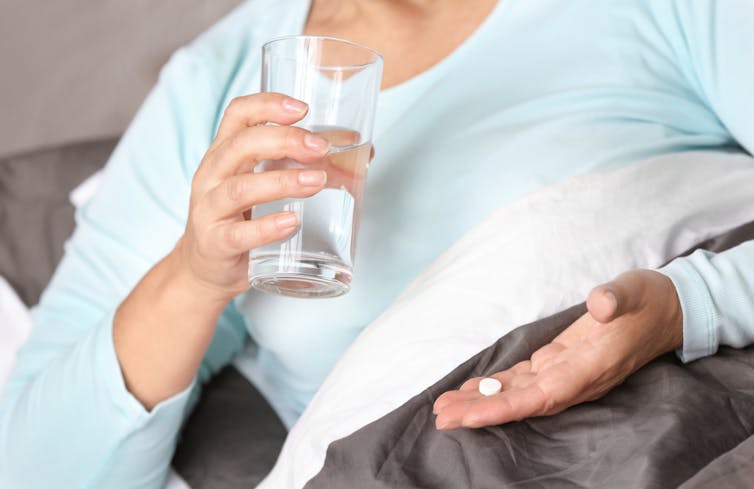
<point x="489" y="386"/>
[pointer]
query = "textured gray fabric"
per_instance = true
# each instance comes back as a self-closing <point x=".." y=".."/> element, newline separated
<point x="76" y="70"/>
<point x="35" y="214"/>
<point x="665" y="424"/>
<point x="232" y="438"/>
<point x="733" y="470"/>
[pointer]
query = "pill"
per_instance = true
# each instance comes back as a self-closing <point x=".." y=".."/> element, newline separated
<point x="489" y="386"/>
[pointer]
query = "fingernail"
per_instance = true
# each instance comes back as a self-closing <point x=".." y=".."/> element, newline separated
<point x="295" y="106"/>
<point x="612" y="298"/>
<point x="316" y="143"/>
<point x="313" y="178"/>
<point x="286" y="221"/>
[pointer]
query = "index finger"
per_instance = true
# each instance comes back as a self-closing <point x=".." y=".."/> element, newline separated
<point x="259" y="108"/>
<point x="511" y="405"/>
<point x="504" y="377"/>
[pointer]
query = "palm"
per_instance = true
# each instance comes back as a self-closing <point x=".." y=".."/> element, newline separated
<point x="581" y="364"/>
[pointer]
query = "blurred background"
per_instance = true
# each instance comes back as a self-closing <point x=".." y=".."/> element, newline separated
<point x="72" y="75"/>
<point x="76" y="70"/>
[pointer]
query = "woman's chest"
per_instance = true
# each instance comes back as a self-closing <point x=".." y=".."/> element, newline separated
<point x="538" y="96"/>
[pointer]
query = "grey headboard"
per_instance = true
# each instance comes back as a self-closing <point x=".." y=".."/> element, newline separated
<point x="76" y="70"/>
<point x="35" y="215"/>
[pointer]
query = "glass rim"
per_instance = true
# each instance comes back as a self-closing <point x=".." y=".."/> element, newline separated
<point x="378" y="56"/>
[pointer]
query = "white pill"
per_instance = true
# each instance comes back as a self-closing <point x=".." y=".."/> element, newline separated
<point x="489" y="386"/>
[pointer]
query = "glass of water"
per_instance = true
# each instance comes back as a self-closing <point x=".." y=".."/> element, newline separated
<point x="340" y="81"/>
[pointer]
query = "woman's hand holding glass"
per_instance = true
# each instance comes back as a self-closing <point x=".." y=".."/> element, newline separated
<point x="214" y="248"/>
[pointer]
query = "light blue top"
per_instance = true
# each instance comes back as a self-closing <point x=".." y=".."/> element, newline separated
<point x="544" y="90"/>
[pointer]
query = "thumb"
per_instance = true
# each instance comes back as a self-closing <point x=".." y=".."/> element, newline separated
<point x="613" y="299"/>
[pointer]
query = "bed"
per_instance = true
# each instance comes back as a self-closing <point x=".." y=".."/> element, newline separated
<point x="668" y="426"/>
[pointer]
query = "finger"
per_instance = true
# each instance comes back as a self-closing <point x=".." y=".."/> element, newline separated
<point x="507" y="406"/>
<point x="522" y="380"/>
<point x="505" y="377"/>
<point x="251" y="110"/>
<point x="246" y="148"/>
<point x="341" y="137"/>
<point x="452" y="397"/>
<point x="471" y="384"/>
<point x="543" y="357"/>
<point x="240" y="192"/>
<point x="615" y="298"/>
<point x="241" y="236"/>
<point x="575" y="333"/>
<point x="451" y="416"/>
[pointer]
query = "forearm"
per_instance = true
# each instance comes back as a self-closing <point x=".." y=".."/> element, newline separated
<point x="163" y="328"/>
<point x="76" y="418"/>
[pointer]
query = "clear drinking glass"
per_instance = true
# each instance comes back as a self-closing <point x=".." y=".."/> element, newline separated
<point x="340" y="80"/>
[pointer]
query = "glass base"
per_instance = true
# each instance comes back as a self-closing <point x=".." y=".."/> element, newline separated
<point x="312" y="278"/>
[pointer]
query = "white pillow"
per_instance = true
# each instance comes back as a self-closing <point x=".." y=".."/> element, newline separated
<point x="528" y="260"/>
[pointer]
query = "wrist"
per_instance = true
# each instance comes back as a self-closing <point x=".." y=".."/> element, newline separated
<point x="672" y="315"/>
<point x="162" y="330"/>
<point x="182" y="275"/>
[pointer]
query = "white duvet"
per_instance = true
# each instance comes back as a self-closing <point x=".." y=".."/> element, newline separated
<point x="528" y="260"/>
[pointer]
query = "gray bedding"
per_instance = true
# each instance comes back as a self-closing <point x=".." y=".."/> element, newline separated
<point x="35" y="215"/>
<point x="667" y="426"/>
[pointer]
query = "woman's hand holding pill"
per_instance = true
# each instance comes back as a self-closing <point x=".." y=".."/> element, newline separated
<point x="164" y="327"/>
<point x="631" y="320"/>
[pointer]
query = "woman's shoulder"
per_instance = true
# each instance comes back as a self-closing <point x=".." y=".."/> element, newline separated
<point x="243" y="31"/>
<point x="219" y="64"/>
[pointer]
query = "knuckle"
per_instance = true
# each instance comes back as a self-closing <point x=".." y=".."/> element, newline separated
<point x="236" y="142"/>
<point x="197" y="179"/>
<point x="234" y="236"/>
<point x="548" y="402"/>
<point x="292" y="138"/>
<point x="200" y="236"/>
<point x="271" y="100"/>
<point x="235" y="107"/>
<point x="536" y="360"/>
<point x="235" y="189"/>
<point x="224" y="150"/>
<point x="549" y="407"/>
<point x="196" y="184"/>
<point x="284" y="181"/>
<point x="195" y="215"/>
<point x="257" y="233"/>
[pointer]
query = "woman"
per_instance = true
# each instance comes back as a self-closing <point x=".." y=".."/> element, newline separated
<point x="482" y="102"/>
